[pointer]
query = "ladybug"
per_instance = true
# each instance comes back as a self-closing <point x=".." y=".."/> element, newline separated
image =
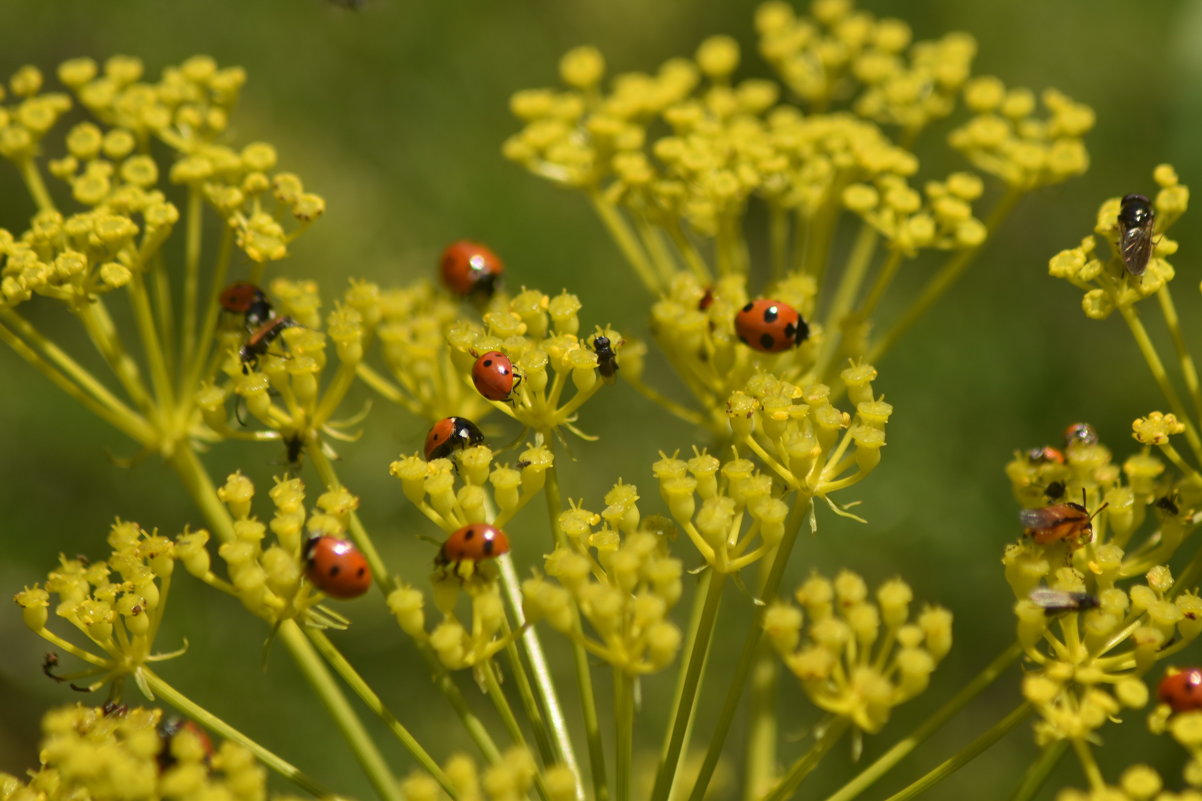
<point x="1080" y="432"/>
<point x="1068" y="522"/>
<point x="247" y="299"/>
<point x="494" y="377"/>
<point x="770" y="326"/>
<point x="1182" y="690"/>
<point x="451" y="434"/>
<point x="1045" y="455"/>
<point x="469" y="268"/>
<point x="607" y="360"/>
<point x="172" y="726"/>
<point x="1135" y="222"/>
<point x="336" y="567"/>
<point x="472" y="543"/>
<point x="1056" y="601"/>
<point x="262" y="337"/>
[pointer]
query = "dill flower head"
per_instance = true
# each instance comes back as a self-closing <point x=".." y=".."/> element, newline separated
<point x="1108" y="283"/>
<point x="119" y="753"/>
<point x="833" y="643"/>
<point x="114" y="605"/>
<point x="614" y="572"/>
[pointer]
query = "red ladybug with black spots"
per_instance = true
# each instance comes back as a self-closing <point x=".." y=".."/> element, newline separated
<point x="472" y="543"/>
<point x="336" y="567"/>
<point x="451" y="434"/>
<point x="770" y="326"/>
<point x="470" y="268"/>
<point x="494" y="376"/>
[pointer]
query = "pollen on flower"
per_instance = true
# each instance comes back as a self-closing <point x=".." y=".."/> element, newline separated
<point x="1156" y="428"/>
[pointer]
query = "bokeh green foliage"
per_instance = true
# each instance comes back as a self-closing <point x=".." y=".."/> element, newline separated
<point x="395" y="114"/>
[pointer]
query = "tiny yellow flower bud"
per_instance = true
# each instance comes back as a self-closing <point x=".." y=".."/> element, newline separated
<point x="407" y="606"/>
<point x="448" y="641"/>
<point x="782" y="624"/>
<point x="237" y="493"/>
<point x="34" y="604"/>
<point x="582" y="67"/>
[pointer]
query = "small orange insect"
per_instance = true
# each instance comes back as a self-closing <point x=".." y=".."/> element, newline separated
<point x="1068" y="522"/>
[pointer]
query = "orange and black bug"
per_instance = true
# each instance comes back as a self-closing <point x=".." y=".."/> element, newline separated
<point x="1080" y="432"/>
<point x="1135" y="223"/>
<point x="336" y="567"/>
<point x="169" y="729"/>
<point x="770" y="326"/>
<point x="258" y="342"/>
<point x="607" y="360"/>
<point x="451" y="434"/>
<point x="472" y="543"/>
<point x="1045" y="455"/>
<point x="1068" y="522"/>
<point x="494" y="376"/>
<point x="1182" y="690"/>
<point x="1056" y="601"/>
<point x="470" y="268"/>
<point x="248" y="300"/>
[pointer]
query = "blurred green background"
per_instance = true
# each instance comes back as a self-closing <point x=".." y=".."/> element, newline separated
<point x="395" y="114"/>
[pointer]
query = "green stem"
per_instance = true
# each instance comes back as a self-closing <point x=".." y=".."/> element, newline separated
<point x="104" y="336"/>
<point x="623" y="730"/>
<point x="194" y="216"/>
<point x="626" y="241"/>
<point x="74" y="380"/>
<point x="194" y="370"/>
<point x="347" y="672"/>
<point x="208" y="720"/>
<point x="584" y="679"/>
<point x="558" y="725"/>
<point x="525" y="690"/>
<point x="34" y="183"/>
<point x="797" y="515"/>
<point x="763" y="715"/>
<point x="966" y="754"/>
<point x="152" y="346"/>
<point x="1156" y="366"/>
<point x="445" y="683"/>
<point x="902" y="749"/>
<point x="778" y="237"/>
<point x="687" y="690"/>
<point x="361" y="743"/>
<point x="943" y="280"/>
<point x="488" y="670"/>
<point x="1089" y="765"/>
<point x="1188" y="370"/>
<point x="845" y="296"/>
<point x="1037" y="774"/>
<point x="799" y="770"/>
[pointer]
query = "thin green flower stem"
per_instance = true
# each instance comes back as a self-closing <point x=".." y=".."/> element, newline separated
<point x="778" y="239"/>
<point x="890" y="759"/>
<point x="1088" y="764"/>
<point x="511" y="589"/>
<point x="760" y="752"/>
<point x="446" y="684"/>
<point x="193" y="229"/>
<point x="1037" y="774"/>
<point x="335" y="659"/>
<point x="818" y="243"/>
<point x="623" y="731"/>
<point x="385" y="388"/>
<point x="584" y="679"/>
<point x="709" y="598"/>
<point x="103" y="334"/>
<point x="336" y="390"/>
<point x="1189" y="370"/>
<point x="800" y="511"/>
<point x="194" y="372"/>
<point x="966" y="754"/>
<point x="948" y="274"/>
<point x="680" y="410"/>
<point x="348" y="723"/>
<point x="626" y="241"/>
<point x="880" y="284"/>
<point x="164" y="314"/>
<point x="1173" y="456"/>
<point x="204" y="717"/>
<point x="1148" y="350"/>
<point x="845" y="296"/>
<point x="692" y="257"/>
<point x="34" y="183"/>
<point x="152" y="346"/>
<point x="325" y="470"/>
<point x="538" y="722"/>
<point x="91" y="395"/>
<point x="492" y="688"/>
<point x="660" y="255"/>
<point x="196" y="480"/>
<point x="832" y="731"/>
<point x="1189" y="576"/>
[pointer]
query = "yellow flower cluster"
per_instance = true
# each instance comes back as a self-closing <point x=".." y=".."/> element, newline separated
<point x="269" y="577"/>
<point x="115" y="753"/>
<point x="510" y="778"/>
<point x="541" y="337"/>
<point x="808" y="442"/>
<point x="1106" y="282"/>
<point x="1138" y="783"/>
<point x="116" y="604"/>
<point x="281" y="385"/>
<point x="1186" y="728"/>
<point x="859" y="659"/>
<point x="614" y="572"/>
